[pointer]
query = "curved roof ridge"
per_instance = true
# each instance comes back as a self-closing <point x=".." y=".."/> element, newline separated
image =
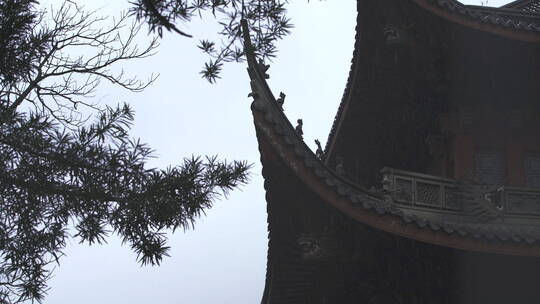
<point x="517" y="5"/>
<point x="532" y="6"/>
<point x="346" y="96"/>
<point x="370" y="207"/>
<point x="521" y="16"/>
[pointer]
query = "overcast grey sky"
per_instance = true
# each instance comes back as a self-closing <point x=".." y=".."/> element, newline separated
<point x="224" y="259"/>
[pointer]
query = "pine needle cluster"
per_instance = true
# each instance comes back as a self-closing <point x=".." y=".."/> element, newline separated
<point x="267" y="20"/>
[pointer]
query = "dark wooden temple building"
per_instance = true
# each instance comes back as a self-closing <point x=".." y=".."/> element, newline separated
<point x="428" y="190"/>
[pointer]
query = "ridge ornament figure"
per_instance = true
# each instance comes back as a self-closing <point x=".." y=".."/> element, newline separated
<point x="298" y="128"/>
<point x="319" y="152"/>
<point x="281" y="100"/>
<point x="263" y="68"/>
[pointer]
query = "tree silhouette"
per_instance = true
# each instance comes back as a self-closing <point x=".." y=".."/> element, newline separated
<point x="62" y="171"/>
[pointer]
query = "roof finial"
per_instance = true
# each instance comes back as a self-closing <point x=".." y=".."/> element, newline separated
<point x="319" y="153"/>
<point x="298" y="128"/>
<point x="281" y="100"/>
<point x="263" y="68"/>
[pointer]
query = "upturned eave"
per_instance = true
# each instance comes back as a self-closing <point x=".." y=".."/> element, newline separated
<point x="278" y="141"/>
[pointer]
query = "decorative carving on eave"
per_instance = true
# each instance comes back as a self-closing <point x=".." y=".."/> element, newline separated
<point x="484" y="202"/>
<point x="318" y="246"/>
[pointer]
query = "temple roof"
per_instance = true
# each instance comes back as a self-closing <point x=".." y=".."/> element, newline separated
<point x="514" y="235"/>
<point x="301" y="187"/>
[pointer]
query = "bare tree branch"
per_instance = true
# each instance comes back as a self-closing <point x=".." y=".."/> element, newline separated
<point x="62" y="80"/>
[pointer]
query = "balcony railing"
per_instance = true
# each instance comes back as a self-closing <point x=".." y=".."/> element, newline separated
<point x="415" y="189"/>
<point x="524" y="201"/>
<point x="422" y="190"/>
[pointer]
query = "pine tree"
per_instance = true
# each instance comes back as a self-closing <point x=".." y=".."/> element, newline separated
<point x="59" y="172"/>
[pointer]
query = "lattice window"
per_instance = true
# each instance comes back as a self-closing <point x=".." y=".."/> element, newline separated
<point x="489" y="167"/>
<point x="532" y="171"/>
<point x="428" y="194"/>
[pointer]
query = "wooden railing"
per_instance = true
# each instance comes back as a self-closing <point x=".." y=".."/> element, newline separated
<point x="415" y="189"/>
<point x="521" y="201"/>
<point x="422" y="190"/>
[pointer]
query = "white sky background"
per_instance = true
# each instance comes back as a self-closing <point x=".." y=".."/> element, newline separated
<point x="224" y="259"/>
